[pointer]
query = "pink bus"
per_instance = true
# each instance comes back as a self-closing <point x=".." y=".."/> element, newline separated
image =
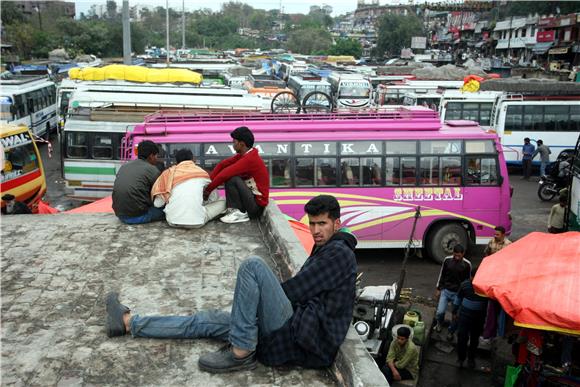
<point x="381" y="166"/>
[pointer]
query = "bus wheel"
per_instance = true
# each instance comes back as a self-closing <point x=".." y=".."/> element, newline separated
<point x="443" y="239"/>
<point x="317" y="102"/>
<point x="285" y="102"/>
<point x="47" y="134"/>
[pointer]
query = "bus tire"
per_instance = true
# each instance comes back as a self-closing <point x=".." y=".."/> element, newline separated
<point x="285" y="102"/>
<point x="443" y="239"/>
<point x="47" y="134"/>
<point x="317" y="102"/>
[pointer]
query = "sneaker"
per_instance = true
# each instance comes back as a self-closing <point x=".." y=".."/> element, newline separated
<point x="115" y="311"/>
<point x="236" y="216"/>
<point x="223" y="360"/>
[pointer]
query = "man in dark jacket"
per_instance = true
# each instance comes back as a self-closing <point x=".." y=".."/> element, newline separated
<point x="302" y="321"/>
<point x="132" y="201"/>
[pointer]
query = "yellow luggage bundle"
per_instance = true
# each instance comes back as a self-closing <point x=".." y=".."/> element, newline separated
<point x="135" y="74"/>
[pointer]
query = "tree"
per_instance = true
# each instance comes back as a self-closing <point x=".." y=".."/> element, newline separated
<point x="346" y="46"/>
<point x="395" y="32"/>
<point x="11" y="14"/>
<point x="309" y="41"/>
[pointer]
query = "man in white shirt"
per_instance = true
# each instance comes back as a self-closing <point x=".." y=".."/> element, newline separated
<point x="180" y="190"/>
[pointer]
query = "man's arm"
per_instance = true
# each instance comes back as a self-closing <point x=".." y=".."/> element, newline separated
<point x="487" y="250"/>
<point x="410" y="358"/>
<point x="324" y="273"/>
<point x="234" y="166"/>
<point x="391" y="360"/>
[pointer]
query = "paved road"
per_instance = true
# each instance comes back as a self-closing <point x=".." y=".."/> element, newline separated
<point x="383" y="266"/>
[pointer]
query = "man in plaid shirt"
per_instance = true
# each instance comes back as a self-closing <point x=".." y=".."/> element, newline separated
<point x="302" y="321"/>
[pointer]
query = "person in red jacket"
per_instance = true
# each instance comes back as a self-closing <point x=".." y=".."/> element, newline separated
<point x="245" y="177"/>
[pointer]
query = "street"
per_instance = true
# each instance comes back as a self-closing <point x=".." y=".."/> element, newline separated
<point x="380" y="267"/>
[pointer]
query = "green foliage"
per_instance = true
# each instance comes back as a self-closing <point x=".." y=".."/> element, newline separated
<point x="308" y="41"/>
<point x="11" y="14"/>
<point x="346" y="46"/>
<point x="395" y="32"/>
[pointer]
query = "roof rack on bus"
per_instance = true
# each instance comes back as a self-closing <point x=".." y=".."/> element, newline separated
<point x="163" y="123"/>
<point x="22" y="79"/>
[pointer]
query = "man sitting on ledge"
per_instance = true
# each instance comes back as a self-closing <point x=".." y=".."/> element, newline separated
<point x="302" y="321"/>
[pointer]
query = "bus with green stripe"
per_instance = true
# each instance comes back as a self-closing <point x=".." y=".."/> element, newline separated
<point x="99" y="115"/>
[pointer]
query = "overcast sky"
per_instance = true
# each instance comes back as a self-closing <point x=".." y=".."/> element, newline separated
<point x="290" y="6"/>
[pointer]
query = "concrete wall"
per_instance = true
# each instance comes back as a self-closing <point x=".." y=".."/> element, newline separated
<point x="353" y="366"/>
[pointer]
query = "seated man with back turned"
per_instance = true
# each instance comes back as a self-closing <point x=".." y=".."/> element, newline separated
<point x="246" y="179"/>
<point x="132" y="189"/>
<point x="302" y="321"/>
<point x="180" y="190"/>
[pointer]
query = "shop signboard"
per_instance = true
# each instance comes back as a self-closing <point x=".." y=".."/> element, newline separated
<point x="545" y="36"/>
<point x="419" y="42"/>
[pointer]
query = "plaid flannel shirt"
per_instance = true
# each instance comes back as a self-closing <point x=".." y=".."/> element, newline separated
<point x="322" y="294"/>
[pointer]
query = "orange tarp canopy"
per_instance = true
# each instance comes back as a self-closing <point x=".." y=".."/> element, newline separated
<point x="536" y="280"/>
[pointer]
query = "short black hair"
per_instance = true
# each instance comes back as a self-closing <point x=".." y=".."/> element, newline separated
<point x="8" y="197"/>
<point x="404" y="332"/>
<point x="500" y="229"/>
<point x="147" y="148"/>
<point x="540" y="142"/>
<point x="526" y="139"/>
<point x="458" y="248"/>
<point x="183" y="154"/>
<point x="323" y="204"/>
<point x="243" y="134"/>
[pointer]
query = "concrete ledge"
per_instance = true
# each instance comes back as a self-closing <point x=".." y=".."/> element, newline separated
<point x="353" y="366"/>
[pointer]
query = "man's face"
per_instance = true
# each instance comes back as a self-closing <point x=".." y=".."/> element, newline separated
<point x="322" y="228"/>
<point x="402" y="340"/>
<point x="457" y="256"/>
<point x="152" y="159"/>
<point x="238" y="145"/>
<point x="499" y="236"/>
<point x="10" y="206"/>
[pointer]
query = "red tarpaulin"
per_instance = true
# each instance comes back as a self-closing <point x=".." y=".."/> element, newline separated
<point x="536" y="280"/>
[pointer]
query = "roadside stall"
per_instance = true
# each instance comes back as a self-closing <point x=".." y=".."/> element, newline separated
<point x="536" y="281"/>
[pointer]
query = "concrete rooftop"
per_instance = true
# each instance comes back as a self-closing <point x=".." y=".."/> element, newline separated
<point x="56" y="270"/>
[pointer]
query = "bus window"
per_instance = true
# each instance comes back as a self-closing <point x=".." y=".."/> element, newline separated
<point x="21" y="106"/>
<point x="401" y="147"/>
<point x="556" y="117"/>
<point x="513" y="117"/>
<point x="574" y="118"/>
<point x="429" y="171"/>
<point x="479" y="146"/>
<point x="19" y="161"/>
<point x="280" y="172"/>
<point x="485" y="113"/>
<point x="350" y="171"/>
<point x="453" y="111"/>
<point x="6" y="109"/>
<point x="392" y="171"/>
<point x="440" y="147"/>
<point x="533" y="118"/>
<point x="77" y="145"/>
<point x="102" y="146"/>
<point x="194" y="148"/>
<point x="481" y="171"/>
<point x="371" y="171"/>
<point x="304" y="171"/>
<point x="326" y="171"/>
<point x="450" y="170"/>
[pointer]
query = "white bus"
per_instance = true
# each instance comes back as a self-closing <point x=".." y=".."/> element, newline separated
<point x="478" y="106"/>
<point x="100" y="115"/>
<point x="429" y="100"/>
<point x="554" y="121"/>
<point x="350" y="90"/>
<point x="30" y="101"/>
<point x="304" y="84"/>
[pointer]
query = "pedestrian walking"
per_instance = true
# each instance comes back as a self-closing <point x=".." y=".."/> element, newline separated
<point x="471" y="309"/>
<point x="544" y="152"/>
<point x="556" y="218"/>
<point x="454" y="270"/>
<point x="527" y="152"/>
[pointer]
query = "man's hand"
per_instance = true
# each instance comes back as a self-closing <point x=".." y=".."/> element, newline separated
<point x="437" y="293"/>
<point x="396" y="375"/>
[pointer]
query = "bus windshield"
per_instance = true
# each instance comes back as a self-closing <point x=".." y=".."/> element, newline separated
<point x="18" y="161"/>
<point x="354" y="92"/>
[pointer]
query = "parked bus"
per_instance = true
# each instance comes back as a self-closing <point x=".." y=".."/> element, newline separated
<point x="100" y="114"/>
<point x="429" y="100"/>
<point x="29" y="101"/>
<point x="22" y="171"/>
<point x="554" y="120"/>
<point x="350" y="90"/>
<point x="573" y="212"/>
<point x="383" y="167"/>
<point x="478" y="107"/>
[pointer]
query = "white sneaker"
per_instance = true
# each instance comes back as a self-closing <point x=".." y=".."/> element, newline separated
<point x="235" y="216"/>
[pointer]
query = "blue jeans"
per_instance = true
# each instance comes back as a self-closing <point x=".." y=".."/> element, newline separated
<point x="446" y="297"/>
<point x="543" y="167"/>
<point x="152" y="215"/>
<point x="259" y="308"/>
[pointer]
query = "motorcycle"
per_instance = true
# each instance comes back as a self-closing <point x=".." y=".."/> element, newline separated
<point x="548" y="188"/>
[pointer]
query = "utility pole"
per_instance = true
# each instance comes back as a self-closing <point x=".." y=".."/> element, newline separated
<point x="183" y="25"/>
<point x="167" y="32"/>
<point x="126" y="34"/>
